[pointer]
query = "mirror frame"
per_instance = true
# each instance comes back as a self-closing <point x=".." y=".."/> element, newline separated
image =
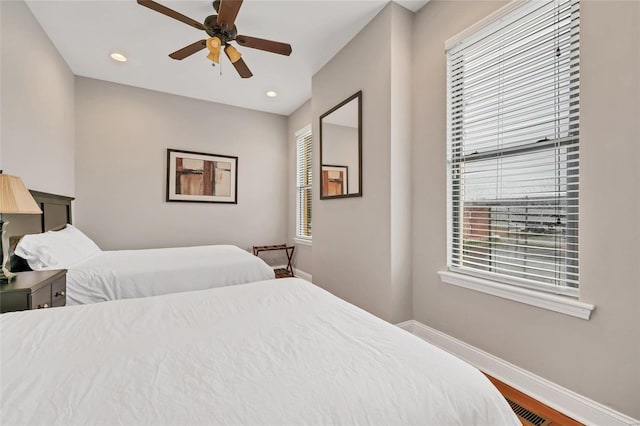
<point x="358" y="96"/>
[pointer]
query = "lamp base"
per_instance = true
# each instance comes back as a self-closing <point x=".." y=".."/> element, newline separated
<point x="6" y="276"/>
<point x="6" y="280"/>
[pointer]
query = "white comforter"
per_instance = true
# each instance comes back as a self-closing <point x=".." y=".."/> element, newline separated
<point x="125" y="274"/>
<point x="272" y="352"/>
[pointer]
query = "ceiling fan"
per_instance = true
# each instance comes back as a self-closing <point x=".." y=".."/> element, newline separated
<point x="221" y="30"/>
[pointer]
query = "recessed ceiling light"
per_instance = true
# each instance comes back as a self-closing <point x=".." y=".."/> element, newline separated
<point x="118" y="57"/>
<point x="271" y="94"/>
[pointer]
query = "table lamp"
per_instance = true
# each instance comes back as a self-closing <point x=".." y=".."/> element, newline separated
<point x="15" y="198"/>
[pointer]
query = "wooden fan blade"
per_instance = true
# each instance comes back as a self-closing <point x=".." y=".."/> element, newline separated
<point x="188" y="50"/>
<point x="228" y="12"/>
<point x="262" y="44"/>
<point x="241" y="67"/>
<point x="171" y="13"/>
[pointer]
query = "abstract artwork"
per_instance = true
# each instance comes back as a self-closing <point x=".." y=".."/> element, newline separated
<point x="334" y="180"/>
<point x="200" y="177"/>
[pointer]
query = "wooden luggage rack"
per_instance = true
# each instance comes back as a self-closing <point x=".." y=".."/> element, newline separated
<point x="280" y="272"/>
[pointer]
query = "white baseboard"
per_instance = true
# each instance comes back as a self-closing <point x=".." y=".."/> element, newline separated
<point x="302" y="274"/>
<point x="564" y="400"/>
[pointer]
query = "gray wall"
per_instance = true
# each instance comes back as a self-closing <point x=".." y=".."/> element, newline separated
<point x="37" y="91"/>
<point x="400" y="157"/>
<point x="298" y="120"/>
<point x="352" y="242"/>
<point x="122" y="136"/>
<point x="597" y="358"/>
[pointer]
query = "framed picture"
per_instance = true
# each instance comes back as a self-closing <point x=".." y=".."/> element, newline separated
<point x="201" y="178"/>
<point x="335" y="180"/>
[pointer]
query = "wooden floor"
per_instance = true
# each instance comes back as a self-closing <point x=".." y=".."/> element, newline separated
<point x="530" y="411"/>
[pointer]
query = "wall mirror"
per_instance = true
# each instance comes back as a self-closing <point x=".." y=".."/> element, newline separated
<point x="341" y="149"/>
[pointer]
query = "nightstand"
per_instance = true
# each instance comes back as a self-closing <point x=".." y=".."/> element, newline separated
<point x="34" y="290"/>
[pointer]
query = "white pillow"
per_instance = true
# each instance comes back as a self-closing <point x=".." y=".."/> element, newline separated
<point x="56" y="249"/>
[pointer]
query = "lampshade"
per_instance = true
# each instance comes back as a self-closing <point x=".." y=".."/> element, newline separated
<point x="15" y="197"/>
<point x="213" y="44"/>
<point x="232" y="53"/>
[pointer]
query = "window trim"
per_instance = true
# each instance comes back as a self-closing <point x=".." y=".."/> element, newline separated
<point x="305" y="240"/>
<point x="561" y="304"/>
<point x="564" y="301"/>
<point x="302" y="131"/>
<point x="476" y="30"/>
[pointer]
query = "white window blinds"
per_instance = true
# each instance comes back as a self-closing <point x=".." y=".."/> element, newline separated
<point x="513" y="128"/>
<point x="303" y="184"/>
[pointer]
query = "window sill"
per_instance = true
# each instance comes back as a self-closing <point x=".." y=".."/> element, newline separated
<point x="551" y="302"/>
<point x="302" y="241"/>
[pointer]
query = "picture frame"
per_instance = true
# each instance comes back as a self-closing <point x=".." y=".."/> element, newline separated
<point x="198" y="177"/>
<point x="335" y="180"/>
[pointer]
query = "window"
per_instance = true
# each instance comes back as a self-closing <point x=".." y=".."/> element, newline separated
<point x="512" y="137"/>
<point x="303" y="183"/>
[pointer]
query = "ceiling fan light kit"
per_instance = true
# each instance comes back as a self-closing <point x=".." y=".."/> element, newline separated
<point x="213" y="44"/>
<point x="232" y="53"/>
<point x="222" y="30"/>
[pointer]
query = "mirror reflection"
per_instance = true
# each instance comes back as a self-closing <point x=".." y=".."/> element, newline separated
<point x="340" y="149"/>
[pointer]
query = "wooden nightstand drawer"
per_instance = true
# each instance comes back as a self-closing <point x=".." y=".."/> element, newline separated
<point x="59" y="291"/>
<point x="34" y="290"/>
<point x="40" y="299"/>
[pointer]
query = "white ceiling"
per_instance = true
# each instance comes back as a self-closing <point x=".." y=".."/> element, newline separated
<point x="85" y="32"/>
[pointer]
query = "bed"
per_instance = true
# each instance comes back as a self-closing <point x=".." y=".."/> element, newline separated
<point x="94" y="275"/>
<point x="271" y="352"/>
<point x="124" y="274"/>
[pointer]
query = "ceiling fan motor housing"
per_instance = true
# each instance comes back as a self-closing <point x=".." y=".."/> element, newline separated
<point x="214" y="30"/>
<point x="222" y="30"/>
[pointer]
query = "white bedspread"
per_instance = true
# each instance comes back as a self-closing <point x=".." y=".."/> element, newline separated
<point x="126" y="274"/>
<point x="272" y="352"/>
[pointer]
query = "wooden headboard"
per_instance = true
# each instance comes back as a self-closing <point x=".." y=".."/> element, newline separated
<point x="56" y="212"/>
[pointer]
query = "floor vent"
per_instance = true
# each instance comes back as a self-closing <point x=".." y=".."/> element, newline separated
<point x="527" y="415"/>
